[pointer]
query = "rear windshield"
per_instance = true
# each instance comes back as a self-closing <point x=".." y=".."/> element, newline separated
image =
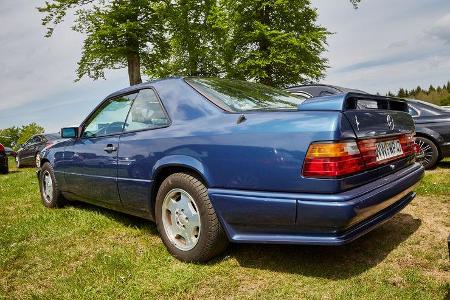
<point x="241" y="96"/>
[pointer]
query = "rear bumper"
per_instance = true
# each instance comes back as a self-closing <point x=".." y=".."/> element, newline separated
<point x="316" y="219"/>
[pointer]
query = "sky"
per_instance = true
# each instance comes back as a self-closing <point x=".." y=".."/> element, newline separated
<point x="380" y="47"/>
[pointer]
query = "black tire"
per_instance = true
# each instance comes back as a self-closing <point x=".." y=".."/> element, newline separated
<point x="54" y="198"/>
<point x="429" y="153"/>
<point x="212" y="239"/>
<point x="4" y="169"/>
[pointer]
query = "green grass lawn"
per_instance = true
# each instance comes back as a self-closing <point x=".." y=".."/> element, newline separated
<point x="86" y="252"/>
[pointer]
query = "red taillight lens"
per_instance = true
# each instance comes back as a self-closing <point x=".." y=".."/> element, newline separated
<point x="408" y="144"/>
<point x="333" y="159"/>
<point x="336" y="159"/>
<point x="2" y="148"/>
<point x="368" y="149"/>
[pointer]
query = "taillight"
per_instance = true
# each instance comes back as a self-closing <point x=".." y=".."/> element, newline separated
<point x="332" y="159"/>
<point x="336" y="159"/>
<point x="368" y="149"/>
<point x="408" y="144"/>
<point x="2" y="148"/>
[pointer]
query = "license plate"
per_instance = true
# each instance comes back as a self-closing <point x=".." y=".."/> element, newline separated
<point x="388" y="149"/>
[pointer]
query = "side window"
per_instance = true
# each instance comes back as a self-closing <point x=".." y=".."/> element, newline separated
<point x="110" y="118"/>
<point x="146" y="112"/>
<point x="412" y="111"/>
<point x="33" y="140"/>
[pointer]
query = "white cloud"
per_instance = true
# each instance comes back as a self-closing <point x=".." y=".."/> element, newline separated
<point x="382" y="46"/>
<point x="441" y="29"/>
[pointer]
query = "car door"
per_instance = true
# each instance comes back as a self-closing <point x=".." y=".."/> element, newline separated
<point x="29" y="150"/>
<point x="140" y="147"/>
<point x="91" y="161"/>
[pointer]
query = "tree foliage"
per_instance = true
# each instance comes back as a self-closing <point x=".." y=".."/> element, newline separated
<point x="119" y="34"/>
<point x="15" y="136"/>
<point x="355" y="3"/>
<point x="276" y="42"/>
<point x="438" y="95"/>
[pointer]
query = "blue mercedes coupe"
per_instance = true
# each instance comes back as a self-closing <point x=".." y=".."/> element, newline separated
<point x="214" y="161"/>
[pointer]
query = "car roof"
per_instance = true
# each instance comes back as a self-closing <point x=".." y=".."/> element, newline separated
<point x="147" y="84"/>
<point x="308" y="88"/>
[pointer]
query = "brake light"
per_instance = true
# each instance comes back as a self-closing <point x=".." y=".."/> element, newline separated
<point x="2" y="148"/>
<point x="408" y="144"/>
<point x="368" y="149"/>
<point x="332" y="159"/>
<point x="336" y="159"/>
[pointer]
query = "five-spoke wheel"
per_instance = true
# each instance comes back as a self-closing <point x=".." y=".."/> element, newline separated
<point x="47" y="186"/>
<point x="186" y="219"/>
<point x="50" y="193"/>
<point x="181" y="219"/>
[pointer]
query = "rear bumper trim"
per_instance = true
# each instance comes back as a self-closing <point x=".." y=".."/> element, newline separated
<point x="265" y="217"/>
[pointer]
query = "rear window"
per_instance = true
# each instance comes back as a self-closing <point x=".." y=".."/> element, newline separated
<point x="241" y="96"/>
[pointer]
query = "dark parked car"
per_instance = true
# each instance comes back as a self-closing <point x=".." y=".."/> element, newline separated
<point x="29" y="152"/>
<point x="432" y="123"/>
<point x="433" y="131"/>
<point x="216" y="160"/>
<point x="10" y="152"/>
<point x="3" y="160"/>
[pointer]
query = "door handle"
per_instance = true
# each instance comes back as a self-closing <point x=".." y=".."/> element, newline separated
<point x="110" y="148"/>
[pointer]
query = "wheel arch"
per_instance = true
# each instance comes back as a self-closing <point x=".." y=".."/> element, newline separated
<point x="175" y="164"/>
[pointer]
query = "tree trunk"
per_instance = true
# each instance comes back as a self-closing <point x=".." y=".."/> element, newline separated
<point x="264" y="45"/>
<point x="134" y="68"/>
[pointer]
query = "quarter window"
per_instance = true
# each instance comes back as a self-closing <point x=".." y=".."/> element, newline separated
<point x="110" y="118"/>
<point x="412" y="111"/>
<point x="146" y="112"/>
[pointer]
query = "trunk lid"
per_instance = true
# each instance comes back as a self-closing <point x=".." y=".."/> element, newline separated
<point x="383" y="127"/>
<point x="369" y="115"/>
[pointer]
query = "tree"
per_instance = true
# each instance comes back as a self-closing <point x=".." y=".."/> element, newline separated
<point x="120" y="33"/>
<point x="194" y="40"/>
<point x="9" y="136"/>
<point x="355" y="3"/>
<point x="431" y="89"/>
<point x="275" y="42"/>
<point x="27" y="131"/>
<point x="446" y="101"/>
<point x="401" y="93"/>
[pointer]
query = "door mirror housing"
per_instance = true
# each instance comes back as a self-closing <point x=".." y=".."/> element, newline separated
<point x="69" y="132"/>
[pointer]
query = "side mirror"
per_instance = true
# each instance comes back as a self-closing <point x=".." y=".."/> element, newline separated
<point x="69" y="132"/>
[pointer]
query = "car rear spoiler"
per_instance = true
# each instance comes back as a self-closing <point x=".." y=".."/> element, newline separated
<point x="353" y="101"/>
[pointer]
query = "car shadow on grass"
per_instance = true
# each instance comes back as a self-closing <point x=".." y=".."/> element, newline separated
<point x="124" y="219"/>
<point x="329" y="262"/>
<point x="444" y="165"/>
<point x="315" y="261"/>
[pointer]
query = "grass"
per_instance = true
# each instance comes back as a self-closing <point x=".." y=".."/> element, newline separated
<point x="86" y="252"/>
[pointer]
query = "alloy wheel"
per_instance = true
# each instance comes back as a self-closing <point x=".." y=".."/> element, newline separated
<point x="38" y="160"/>
<point x="425" y="153"/>
<point x="47" y="186"/>
<point x="181" y="219"/>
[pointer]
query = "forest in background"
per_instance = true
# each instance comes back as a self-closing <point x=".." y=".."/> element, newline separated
<point x="439" y="95"/>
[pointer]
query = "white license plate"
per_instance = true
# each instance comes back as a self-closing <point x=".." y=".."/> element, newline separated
<point x="388" y="149"/>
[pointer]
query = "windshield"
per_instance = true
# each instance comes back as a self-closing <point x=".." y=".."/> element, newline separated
<point x="240" y="96"/>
